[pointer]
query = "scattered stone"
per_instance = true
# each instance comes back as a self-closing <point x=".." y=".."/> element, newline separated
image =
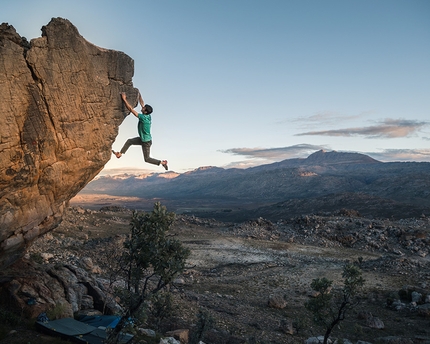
<point x="317" y="340"/>
<point x="415" y="297"/>
<point x="395" y="340"/>
<point x="287" y="326"/>
<point x="46" y="256"/>
<point x="169" y="340"/>
<point x="147" y="332"/>
<point x="374" y="322"/>
<point x="87" y="263"/>
<point x="181" y="335"/>
<point x="398" y="305"/>
<point x="277" y="301"/>
<point x="424" y="310"/>
<point x="179" y="281"/>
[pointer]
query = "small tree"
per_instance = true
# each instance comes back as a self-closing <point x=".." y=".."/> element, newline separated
<point x="325" y="310"/>
<point x="150" y="261"/>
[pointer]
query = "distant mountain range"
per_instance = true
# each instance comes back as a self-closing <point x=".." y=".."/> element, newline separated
<point x="323" y="182"/>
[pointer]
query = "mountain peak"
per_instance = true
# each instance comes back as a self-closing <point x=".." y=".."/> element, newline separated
<point x="334" y="157"/>
<point x="205" y="169"/>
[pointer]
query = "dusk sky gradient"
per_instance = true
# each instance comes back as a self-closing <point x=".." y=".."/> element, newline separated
<point x="239" y="83"/>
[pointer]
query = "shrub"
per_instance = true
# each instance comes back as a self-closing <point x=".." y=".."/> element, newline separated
<point x="327" y="311"/>
<point x="150" y="261"/>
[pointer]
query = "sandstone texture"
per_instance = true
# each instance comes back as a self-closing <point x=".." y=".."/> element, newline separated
<point x="60" y="110"/>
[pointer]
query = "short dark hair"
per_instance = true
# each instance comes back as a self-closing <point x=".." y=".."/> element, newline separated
<point x="148" y="109"/>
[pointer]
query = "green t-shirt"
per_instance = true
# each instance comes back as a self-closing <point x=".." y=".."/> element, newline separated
<point x="144" y="127"/>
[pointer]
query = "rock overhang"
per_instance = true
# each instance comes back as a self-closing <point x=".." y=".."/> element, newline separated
<point x="60" y="111"/>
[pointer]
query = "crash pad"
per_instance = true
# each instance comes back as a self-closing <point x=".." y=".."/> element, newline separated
<point x="101" y="320"/>
<point x="78" y="331"/>
<point x="65" y="326"/>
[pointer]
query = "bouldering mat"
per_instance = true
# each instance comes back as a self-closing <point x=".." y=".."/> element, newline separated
<point x="99" y="335"/>
<point x="101" y="320"/>
<point x="77" y="331"/>
<point x="67" y="326"/>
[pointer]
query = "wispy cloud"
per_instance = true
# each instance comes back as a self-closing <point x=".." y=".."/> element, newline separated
<point x="125" y="170"/>
<point x="389" y="128"/>
<point x="245" y="164"/>
<point x="329" y="117"/>
<point x="326" y="118"/>
<point x="279" y="153"/>
<point x="419" y="155"/>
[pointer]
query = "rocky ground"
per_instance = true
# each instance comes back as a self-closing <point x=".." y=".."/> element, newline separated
<point x="253" y="278"/>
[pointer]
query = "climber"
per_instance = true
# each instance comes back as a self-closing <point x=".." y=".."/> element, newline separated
<point x="144" y="128"/>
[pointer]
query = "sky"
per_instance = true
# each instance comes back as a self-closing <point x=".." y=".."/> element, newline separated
<point x="240" y="83"/>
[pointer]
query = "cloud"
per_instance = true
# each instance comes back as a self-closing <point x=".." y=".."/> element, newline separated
<point x="260" y="156"/>
<point x="329" y="117"/>
<point x="324" y="119"/>
<point x="389" y="128"/>
<point x="244" y="164"/>
<point x="125" y="170"/>
<point x="419" y="155"/>
<point x="275" y="154"/>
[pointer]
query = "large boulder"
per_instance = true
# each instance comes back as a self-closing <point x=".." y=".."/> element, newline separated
<point x="60" y="110"/>
<point x="64" y="289"/>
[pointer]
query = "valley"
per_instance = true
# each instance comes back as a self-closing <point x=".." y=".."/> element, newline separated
<point x="236" y="269"/>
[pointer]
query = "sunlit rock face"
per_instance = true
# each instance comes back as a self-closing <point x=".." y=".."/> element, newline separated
<point x="60" y="110"/>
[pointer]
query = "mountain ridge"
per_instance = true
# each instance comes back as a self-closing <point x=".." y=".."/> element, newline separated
<point x="308" y="181"/>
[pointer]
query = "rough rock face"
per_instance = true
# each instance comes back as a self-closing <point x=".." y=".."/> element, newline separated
<point x="67" y="288"/>
<point x="59" y="113"/>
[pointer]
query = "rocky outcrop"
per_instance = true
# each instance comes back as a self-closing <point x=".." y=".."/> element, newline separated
<point x="60" y="110"/>
<point x="237" y="269"/>
<point x="63" y="290"/>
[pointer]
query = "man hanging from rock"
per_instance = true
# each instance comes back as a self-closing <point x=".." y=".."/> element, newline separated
<point x="144" y="128"/>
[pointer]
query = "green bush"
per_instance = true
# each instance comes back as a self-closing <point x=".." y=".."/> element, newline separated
<point x="149" y="263"/>
<point x="327" y="310"/>
<point x="161" y="307"/>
